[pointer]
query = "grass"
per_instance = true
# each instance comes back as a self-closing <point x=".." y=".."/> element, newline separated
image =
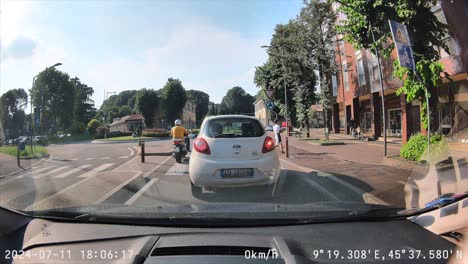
<point x="38" y="152"/>
<point x="125" y="138"/>
<point x="323" y="142"/>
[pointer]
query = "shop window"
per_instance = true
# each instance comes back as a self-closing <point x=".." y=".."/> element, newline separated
<point x="394" y="122"/>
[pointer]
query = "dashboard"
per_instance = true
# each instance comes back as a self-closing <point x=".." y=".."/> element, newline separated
<point x="32" y="240"/>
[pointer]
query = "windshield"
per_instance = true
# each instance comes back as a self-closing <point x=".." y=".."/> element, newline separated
<point x="234" y="127"/>
<point x="288" y="110"/>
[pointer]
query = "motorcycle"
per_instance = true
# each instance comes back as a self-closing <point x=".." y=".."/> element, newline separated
<point x="179" y="149"/>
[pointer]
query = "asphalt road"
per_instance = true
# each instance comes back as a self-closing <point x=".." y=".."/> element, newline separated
<point x="85" y="174"/>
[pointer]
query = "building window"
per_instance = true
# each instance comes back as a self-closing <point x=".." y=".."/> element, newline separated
<point x="345" y="76"/>
<point x="375" y="68"/>
<point x="334" y="85"/>
<point x="450" y="48"/>
<point x="361" y="73"/>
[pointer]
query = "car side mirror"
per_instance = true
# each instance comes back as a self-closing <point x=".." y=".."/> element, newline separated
<point x="193" y="135"/>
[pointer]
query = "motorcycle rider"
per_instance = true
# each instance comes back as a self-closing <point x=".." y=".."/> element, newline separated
<point x="178" y="132"/>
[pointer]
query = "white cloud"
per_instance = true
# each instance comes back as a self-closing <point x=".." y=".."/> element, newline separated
<point x="202" y="56"/>
<point x="12" y="17"/>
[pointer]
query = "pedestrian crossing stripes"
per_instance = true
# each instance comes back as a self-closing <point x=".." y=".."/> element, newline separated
<point x="36" y="176"/>
<point x="70" y="172"/>
<point x="35" y="170"/>
<point x="96" y="170"/>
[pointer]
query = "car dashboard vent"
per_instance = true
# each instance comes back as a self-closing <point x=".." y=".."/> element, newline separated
<point x="209" y="250"/>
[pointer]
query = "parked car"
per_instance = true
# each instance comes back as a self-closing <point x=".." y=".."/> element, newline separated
<point x="232" y="150"/>
<point x="24" y="139"/>
<point x="42" y="140"/>
<point x="269" y="128"/>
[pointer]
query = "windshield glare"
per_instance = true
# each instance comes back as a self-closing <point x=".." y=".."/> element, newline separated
<point x="279" y="110"/>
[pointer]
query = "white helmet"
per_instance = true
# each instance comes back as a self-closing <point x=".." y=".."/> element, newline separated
<point x="178" y="122"/>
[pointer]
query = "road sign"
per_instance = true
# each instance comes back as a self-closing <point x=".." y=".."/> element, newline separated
<point x="403" y="44"/>
<point x="270" y="105"/>
<point x="269" y="93"/>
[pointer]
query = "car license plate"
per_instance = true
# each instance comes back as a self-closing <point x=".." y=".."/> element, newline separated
<point x="237" y="173"/>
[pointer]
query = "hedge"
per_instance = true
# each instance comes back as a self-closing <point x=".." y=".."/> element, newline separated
<point x="155" y="130"/>
<point x="113" y="134"/>
<point x="417" y="145"/>
<point x="156" y="134"/>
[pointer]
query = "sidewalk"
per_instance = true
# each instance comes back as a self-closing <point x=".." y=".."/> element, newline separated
<point x="9" y="164"/>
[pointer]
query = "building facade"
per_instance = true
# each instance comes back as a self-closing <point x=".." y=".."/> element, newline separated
<point x="129" y="123"/>
<point x="358" y="94"/>
<point x="261" y="112"/>
<point x="189" y="115"/>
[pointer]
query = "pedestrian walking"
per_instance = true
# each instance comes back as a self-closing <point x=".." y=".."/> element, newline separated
<point x="277" y="131"/>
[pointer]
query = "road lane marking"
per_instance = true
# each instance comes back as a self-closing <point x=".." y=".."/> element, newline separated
<point x="117" y="188"/>
<point x="124" y="157"/>
<point x="156" y="167"/>
<point x="50" y="172"/>
<point x="89" y="158"/>
<point x="177" y="169"/>
<point x="105" y="158"/>
<point x="95" y="170"/>
<point x="70" y="172"/>
<point x="138" y="194"/>
<point x="131" y="151"/>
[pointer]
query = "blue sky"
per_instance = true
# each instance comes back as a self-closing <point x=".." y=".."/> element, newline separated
<point x="210" y="45"/>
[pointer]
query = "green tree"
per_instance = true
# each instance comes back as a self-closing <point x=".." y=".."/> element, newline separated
<point x="93" y="125"/>
<point x="174" y="98"/>
<point x="236" y="101"/>
<point x="201" y="100"/>
<point x="425" y="30"/>
<point x="146" y="102"/>
<point x="84" y="106"/>
<point x="12" y="116"/>
<point x="125" y="110"/>
<point x="54" y="94"/>
<point x="317" y="20"/>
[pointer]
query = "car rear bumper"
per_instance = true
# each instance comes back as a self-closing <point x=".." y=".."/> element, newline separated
<point x="207" y="173"/>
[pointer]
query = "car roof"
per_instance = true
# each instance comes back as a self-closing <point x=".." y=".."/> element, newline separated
<point x="231" y="116"/>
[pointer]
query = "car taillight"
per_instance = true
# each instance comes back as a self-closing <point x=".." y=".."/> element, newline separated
<point x="268" y="145"/>
<point x="200" y="145"/>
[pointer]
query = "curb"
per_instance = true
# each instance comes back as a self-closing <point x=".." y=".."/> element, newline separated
<point x="99" y="141"/>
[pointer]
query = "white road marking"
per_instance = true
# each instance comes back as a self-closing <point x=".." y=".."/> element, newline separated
<point x="96" y="170"/>
<point x="89" y="158"/>
<point x="131" y="151"/>
<point x="177" y="169"/>
<point x="117" y="188"/>
<point x="156" y="167"/>
<point x="34" y="171"/>
<point x="70" y="172"/>
<point x="72" y="159"/>
<point x="137" y="195"/>
<point x="124" y="157"/>
<point x="50" y="172"/>
<point x="105" y="158"/>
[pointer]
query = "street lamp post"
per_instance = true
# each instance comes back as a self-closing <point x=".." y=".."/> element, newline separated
<point x="285" y="102"/>
<point x="105" y="112"/>
<point x="42" y="102"/>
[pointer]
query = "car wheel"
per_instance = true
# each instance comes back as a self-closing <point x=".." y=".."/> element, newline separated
<point x="196" y="191"/>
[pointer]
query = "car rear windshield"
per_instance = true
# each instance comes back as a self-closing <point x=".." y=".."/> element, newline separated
<point x="234" y="127"/>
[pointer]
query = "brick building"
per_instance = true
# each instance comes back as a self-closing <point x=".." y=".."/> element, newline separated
<point x="261" y="112"/>
<point x="358" y="94"/>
